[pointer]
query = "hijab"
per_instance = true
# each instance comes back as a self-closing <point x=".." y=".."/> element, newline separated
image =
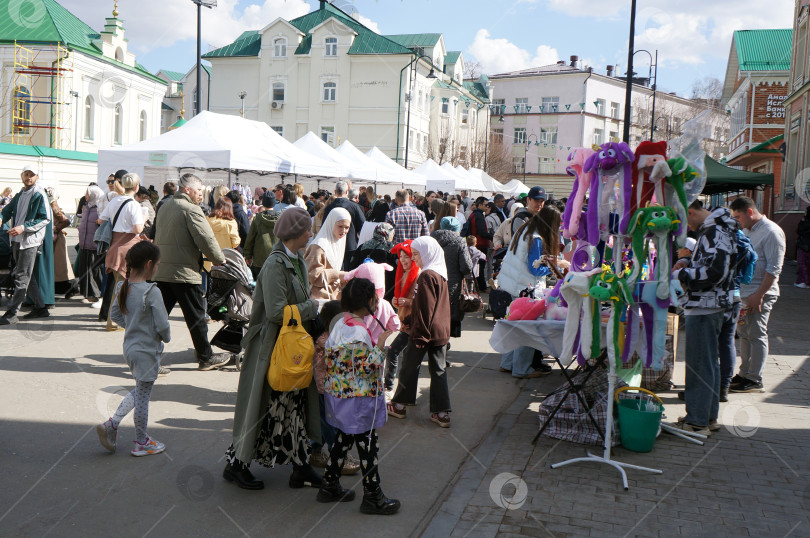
<point x="399" y="289"/>
<point x="333" y="248"/>
<point x="95" y="195"/>
<point x="431" y="253"/>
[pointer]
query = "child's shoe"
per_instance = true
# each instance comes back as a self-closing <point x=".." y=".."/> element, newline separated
<point x="107" y="435"/>
<point x="149" y="448"/>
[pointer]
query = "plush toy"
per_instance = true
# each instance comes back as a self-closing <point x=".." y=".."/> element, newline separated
<point x="611" y="158"/>
<point x="582" y="182"/>
<point x="661" y="222"/>
<point x="556" y="307"/>
<point x="371" y="271"/>
<point x="524" y="308"/>
<point x="648" y="154"/>
<point x="608" y="287"/>
<point x="576" y="292"/>
<point x="654" y="315"/>
<point x="682" y="174"/>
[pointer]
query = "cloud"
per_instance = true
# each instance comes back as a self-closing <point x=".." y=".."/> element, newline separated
<point x="368" y="23"/>
<point x="497" y="55"/>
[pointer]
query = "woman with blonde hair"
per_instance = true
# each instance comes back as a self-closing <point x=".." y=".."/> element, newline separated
<point x="218" y="192"/>
<point x="5" y="198"/>
<point x="224" y="226"/>
<point x="299" y="193"/>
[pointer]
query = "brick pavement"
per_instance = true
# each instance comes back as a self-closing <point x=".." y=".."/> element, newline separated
<point x="749" y="479"/>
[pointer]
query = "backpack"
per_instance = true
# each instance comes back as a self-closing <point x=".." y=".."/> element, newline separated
<point x="291" y="361"/>
<point x="465" y="229"/>
<point x="746" y="259"/>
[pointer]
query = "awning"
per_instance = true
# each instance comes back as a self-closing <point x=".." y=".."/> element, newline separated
<point x="721" y="178"/>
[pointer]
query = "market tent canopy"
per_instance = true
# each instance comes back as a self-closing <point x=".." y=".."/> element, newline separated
<point x="490" y="183"/>
<point x="438" y="178"/>
<point x="515" y="187"/>
<point x="211" y="141"/>
<point x="349" y="151"/>
<point x="312" y="144"/>
<point x="473" y="182"/>
<point x="721" y="178"/>
<point x="384" y="163"/>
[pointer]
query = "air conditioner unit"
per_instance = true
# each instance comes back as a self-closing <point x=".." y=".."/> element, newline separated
<point x="277" y="104"/>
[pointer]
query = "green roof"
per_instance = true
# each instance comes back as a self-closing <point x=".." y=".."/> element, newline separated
<point x="45" y="21"/>
<point x="175" y="76"/>
<point x="40" y="151"/>
<point x="248" y="44"/>
<point x="415" y="40"/>
<point x="451" y="57"/>
<point x="763" y="50"/>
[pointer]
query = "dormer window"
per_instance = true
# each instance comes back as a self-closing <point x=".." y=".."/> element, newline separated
<point x="280" y="47"/>
<point x="330" y="46"/>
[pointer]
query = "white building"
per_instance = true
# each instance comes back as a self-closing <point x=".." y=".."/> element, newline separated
<point x="180" y="100"/>
<point x="68" y="90"/>
<point x="541" y="113"/>
<point x="327" y="73"/>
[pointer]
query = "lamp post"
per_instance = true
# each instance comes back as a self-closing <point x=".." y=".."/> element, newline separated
<point x="209" y="4"/>
<point x="527" y="143"/>
<point x="75" y="95"/>
<point x="653" y="78"/>
<point x="628" y="94"/>
<point x="409" y="95"/>
<point x="655" y="126"/>
<point x="242" y="96"/>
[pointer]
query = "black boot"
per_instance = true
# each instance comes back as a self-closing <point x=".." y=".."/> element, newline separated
<point x="723" y="394"/>
<point x="331" y="492"/>
<point x="242" y="476"/>
<point x="305" y="475"/>
<point x="375" y="502"/>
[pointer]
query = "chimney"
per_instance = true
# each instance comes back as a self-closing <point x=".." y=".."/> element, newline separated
<point x="610" y="70"/>
<point x="561" y="62"/>
<point x="574" y="60"/>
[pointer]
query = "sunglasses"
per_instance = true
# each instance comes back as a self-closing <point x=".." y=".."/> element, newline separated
<point x="110" y="182"/>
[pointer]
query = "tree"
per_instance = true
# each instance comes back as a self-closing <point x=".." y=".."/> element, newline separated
<point x="708" y="90"/>
<point x="472" y="70"/>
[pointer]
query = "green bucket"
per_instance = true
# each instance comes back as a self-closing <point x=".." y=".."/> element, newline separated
<point x="638" y="428"/>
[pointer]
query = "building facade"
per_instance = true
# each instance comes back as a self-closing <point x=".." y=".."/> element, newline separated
<point x="754" y="92"/>
<point x="180" y="100"/>
<point x="540" y="114"/>
<point x="325" y="72"/>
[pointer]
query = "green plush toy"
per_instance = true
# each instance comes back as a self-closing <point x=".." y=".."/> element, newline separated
<point x="608" y="287"/>
<point x="682" y="173"/>
<point x="660" y="222"/>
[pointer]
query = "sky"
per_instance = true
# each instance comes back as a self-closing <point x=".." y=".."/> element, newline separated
<point x="693" y="37"/>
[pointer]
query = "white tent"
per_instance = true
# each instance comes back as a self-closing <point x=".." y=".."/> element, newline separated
<point x="490" y="183"/>
<point x="515" y="187"/>
<point x="438" y="178"/>
<point x="385" y="163"/>
<point x="471" y="182"/>
<point x="312" y="144"/>
<point x="350" y="152"/>
<point x="211" y="141"/>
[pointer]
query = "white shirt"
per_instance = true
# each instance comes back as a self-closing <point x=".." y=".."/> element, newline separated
<point x="131" y="215"/>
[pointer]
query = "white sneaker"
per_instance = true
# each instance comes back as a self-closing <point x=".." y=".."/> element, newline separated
<point x="149" y="448"/>
<point x="800" y="285"/>
<point x="388" y="395"/>
<point x="107" y="435"/>
<point x="97" y="304"/>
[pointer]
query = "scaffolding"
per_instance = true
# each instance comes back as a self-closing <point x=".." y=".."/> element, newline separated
<point x="41" y="91"/>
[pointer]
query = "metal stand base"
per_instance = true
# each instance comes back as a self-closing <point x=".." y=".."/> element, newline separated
<point x="617" y="464"/>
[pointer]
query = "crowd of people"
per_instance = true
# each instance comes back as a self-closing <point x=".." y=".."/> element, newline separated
<point x="358" y="268"/>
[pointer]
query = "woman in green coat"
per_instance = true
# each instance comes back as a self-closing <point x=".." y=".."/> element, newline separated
<point x="269" y="426"/>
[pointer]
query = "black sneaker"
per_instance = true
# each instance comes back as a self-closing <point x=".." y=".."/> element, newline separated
<point x="747" y="386"/>
<point x="163" y="371"/>
<point x="737" y="379"/>
<point x="217" y="360"/>
<point x="723" y="394"/>
<point x="545" y="368"/>
<point x="682" y="395"/>
<point x="37" y="313"/>
<point x="9" y="320"/>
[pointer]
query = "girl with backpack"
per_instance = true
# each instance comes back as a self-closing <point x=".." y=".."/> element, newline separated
<point x="138" y="307"/>
<point x="354" y="398"/>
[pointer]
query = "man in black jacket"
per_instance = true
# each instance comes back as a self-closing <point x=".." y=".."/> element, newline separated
<point x="242" y="222"/>
<point x="478" y="228"/>
<point x="354" y="209"/>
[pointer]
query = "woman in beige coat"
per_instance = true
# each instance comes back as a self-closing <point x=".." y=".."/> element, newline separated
<point x="325" y="256"/>
<point x="224" y="226"/>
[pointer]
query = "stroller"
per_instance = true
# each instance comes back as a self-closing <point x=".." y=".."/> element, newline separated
<point x="230" y="300"/>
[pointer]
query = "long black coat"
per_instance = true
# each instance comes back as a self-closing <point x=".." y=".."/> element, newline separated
<point x="458" y="262"/>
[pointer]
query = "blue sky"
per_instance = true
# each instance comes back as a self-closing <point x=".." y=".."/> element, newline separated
<point x="693" y="36"/>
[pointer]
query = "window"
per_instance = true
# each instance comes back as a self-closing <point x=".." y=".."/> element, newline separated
<point x="410" y="138"/>
<point x="600" y="107"/>
<point x="419" y="101"/>
<point x="614" y="136"/>
<point x="142" y="126"/>
<point x="614" y="110"/>
<point x="517" y="165"/>
<point x="22" y="110"/>
<point x="465" y="115"/>
<point x="520" y="135"/>
<point x="462" y="154"/>
<point x="119" y="55"/>
<point x="522" y="104"/>
<point x="193" y="101"/>
<point x="550" y="104"/>
<point x="330" y="45"/>
<point x="548" y="135"/>
<point x="498" y="106"/>
<point x="424" y="143"/>
<point x="497" y="136"/>
<point x="328" y="135"/>
<point x="278" y="91"/>
<point x="117" y="125"/>
<point x="545" y="165"/>
<point x="427" y="101"/>
<point x="330" y="92"/>
<point x="88" y="118"/>
<point x="280" y="47"/>
<point x="445" y="105"/>
<point x="598" y="136"/>
<point x="278" y="128"/>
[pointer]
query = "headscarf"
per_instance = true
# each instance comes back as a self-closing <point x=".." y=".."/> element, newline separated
<point x="95" y="195"/>
<point x="384" y="232"/>
<point x="515" y="209"/>
<point x="399" y="288"/>
<point x="431" y="253"/>
<point x="333" y="248"/>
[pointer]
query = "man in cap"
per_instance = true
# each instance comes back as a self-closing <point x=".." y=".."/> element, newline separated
<point x="534" y="203"/>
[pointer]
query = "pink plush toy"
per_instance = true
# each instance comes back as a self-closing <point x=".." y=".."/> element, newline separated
<point x="582" y="182"/>
<point x="371" y="271"/>
<point x="524" y="308"/>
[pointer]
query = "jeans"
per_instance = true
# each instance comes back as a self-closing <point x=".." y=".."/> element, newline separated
<point x="24" y="281"/>
<point x="754" y="340"/>
<point x="519" y="361"/>
<point x="190" y="298"/>
<point x="408" y="381"/>
<point x="728" y="348"/>
<point x="702" y="368"/>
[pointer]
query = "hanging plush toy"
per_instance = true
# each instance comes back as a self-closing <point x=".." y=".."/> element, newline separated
<point x="375" y="272"/>
<point x="579" y="322"/>
<point x="582" y="182"/>
<point x="607" y="287"/>
<point x="613" y="158"/>
<point x="654" y="315"/>
<point x="648" y="154"/>
<point x="682" y="174"/>
<point x="660" y="222"/>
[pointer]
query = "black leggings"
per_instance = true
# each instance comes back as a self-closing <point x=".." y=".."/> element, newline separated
<point x="367" y="449"/>
<point x="396" y="347"/>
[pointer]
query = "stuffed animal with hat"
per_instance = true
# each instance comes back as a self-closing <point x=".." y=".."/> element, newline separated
<point x="661" y="222"/>
<point x="612" y="158"/>
<point x="371" y="271"/>
<point x="606" y="286"/>
<point x="575" y="289"/>
<point x="647" y="154"/>
<point x="682" y="173"/>
<point x="582" y="182"/>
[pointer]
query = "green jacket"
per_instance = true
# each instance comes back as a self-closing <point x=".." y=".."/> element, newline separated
<point x="277" y="286"/>
<point x="261" y="237"/>
<point x="184" y="235"/>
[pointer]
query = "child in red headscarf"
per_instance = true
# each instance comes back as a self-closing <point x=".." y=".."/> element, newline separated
<point x="406" y="275"/>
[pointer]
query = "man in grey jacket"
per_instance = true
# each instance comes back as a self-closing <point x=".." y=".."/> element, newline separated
<point x="183" y="236"/>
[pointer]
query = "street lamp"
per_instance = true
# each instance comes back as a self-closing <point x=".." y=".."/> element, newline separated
<point x="409" y="95"/>
<point x="628" y="93"/>
<point x="527" y="143"/>
<point x="654" y="81"/>
<point x="666" y="124"/>
<point x="242" y="96"/>
<point x="209" y="4"/>
<point x="75" y="95"/>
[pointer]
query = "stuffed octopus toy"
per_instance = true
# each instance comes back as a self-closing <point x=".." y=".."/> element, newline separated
<point x="681" y="174"/>
<point x="582" y="182"/>
<point x="608" y="287"/>
<point x="660" y="222"/>
<point x="603" y="165"/>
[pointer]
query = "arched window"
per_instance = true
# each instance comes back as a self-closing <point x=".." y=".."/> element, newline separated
<point x="330" y="91"/>
<point x="119" y="54"/>
<point x="330" y="45"/>
<point x="143" y="125"/>
<point x="21" y="113"/>
<point x="280" y="47"/>
<point x="194" y="101"/>
<point x="88" y="118"/>
<point x="117" y="125"/>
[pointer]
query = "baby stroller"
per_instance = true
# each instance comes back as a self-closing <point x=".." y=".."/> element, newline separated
<point x="230" y="300"/>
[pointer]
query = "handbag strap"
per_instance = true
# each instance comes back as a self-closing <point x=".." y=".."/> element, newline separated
<point x="118" y="213"/>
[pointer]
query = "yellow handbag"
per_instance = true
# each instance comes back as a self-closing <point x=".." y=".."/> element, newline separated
<point x="291" y="361"/>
